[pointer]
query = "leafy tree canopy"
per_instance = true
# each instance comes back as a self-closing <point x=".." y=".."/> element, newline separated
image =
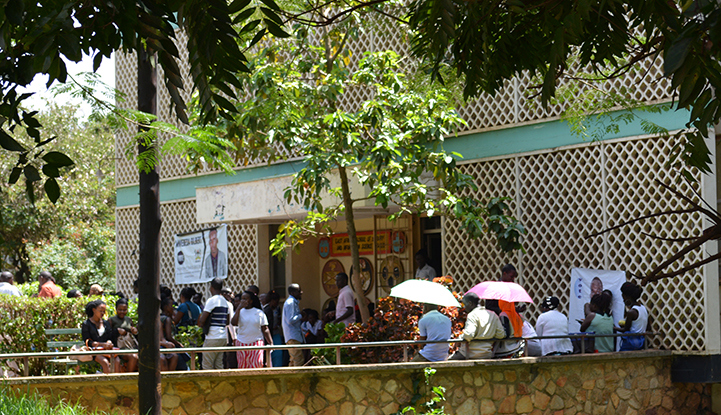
<point x="80" y="224"/>
<point x="489" y="42"/>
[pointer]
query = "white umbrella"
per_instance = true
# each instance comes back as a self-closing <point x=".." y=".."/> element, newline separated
<point x="423" y="291"/>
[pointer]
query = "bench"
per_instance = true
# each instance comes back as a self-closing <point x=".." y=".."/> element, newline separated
<point x="54" y="344"/>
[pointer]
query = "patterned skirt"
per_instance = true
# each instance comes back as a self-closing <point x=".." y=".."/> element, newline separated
<point x="250" y="359"/>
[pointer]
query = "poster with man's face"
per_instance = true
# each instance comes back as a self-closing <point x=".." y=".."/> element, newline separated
<point x="201" y="256"/>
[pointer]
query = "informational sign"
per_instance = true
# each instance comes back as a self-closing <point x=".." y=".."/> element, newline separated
<point x="585" y="283"/>
<point x="340" y="244"/>
<point x="201" y="256"/>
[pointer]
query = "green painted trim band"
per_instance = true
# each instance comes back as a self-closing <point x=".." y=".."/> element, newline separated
<point x="494" y="143"/>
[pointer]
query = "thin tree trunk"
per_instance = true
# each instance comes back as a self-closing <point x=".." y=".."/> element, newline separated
<point x="357" y="285"/>
<point x="149" y="264"/>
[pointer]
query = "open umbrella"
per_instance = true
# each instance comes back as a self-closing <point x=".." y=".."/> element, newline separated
<point x="423" y="291"/>
<point x="499" y="290"/>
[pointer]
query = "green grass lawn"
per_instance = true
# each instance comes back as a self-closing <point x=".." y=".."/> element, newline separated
<point x="32" y="404"/>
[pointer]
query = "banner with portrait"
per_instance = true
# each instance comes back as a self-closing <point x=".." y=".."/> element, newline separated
<point x="585" y="283"/>
<point x="201" y="256"/>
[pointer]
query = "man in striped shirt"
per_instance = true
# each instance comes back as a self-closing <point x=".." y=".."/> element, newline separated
<point x="217" y="310"/>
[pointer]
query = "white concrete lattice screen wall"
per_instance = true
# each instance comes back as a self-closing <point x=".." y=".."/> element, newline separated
<point x="178" y="218"/>
<point x="514" y="104"/>
<point x="564" y="195"/>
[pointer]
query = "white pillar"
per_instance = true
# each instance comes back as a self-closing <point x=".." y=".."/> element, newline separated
<point x="712" y="292"/>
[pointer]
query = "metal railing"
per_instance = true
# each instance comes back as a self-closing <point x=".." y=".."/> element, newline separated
<point x="193" y="351"/>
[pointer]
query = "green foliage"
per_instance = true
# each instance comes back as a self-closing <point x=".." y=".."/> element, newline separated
<point x="335" y="334"/>
<point x="85" y="257"/>
<point x="67" y="30"/>
<point x="190" y="336"/>
<point x="81" y="221"/>
<point x="392" y="143"/>
<point x="14" y="401"/>
<point x="489" y="44"/>
<point x="430" y="406"/>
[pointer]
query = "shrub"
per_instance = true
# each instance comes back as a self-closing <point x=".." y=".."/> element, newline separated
<point x="394" y="320"/>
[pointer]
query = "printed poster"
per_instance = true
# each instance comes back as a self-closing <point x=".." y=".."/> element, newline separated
<point x="201" y="256"/>
<point x="587" y="282"/>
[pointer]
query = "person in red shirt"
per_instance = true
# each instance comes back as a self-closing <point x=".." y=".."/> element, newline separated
<point x="48" y="289"/>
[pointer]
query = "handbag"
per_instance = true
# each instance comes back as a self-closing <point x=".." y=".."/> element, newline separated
<point x="230" y="358"/>
<point x="84" y="348"/>
<point x="127" y="341"/>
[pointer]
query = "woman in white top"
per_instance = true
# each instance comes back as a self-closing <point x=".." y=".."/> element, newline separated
<point x="636" y="318"/>
<point x="252" y="330"/>
<point x="553" y="323"/>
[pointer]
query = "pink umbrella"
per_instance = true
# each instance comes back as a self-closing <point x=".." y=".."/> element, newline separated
<point x="499" y="290"/>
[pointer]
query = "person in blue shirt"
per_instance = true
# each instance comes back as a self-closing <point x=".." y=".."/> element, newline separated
<point x="292" y="320"/>
<point x="216" y="312"/>
<point x="187" y="313"/>
<point x="433" y="326"/>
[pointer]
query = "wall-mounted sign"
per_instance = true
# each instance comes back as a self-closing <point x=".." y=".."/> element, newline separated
<point x="398" y="242"/>
<point x="330" y="270"/>
<point x="340" y="245"/>
<point x="366" y="275"/>
<point x="324" y="247"/>
<point x="201" y="256"/>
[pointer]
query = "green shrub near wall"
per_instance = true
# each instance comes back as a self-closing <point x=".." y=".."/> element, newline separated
<point x="23" y="321"/>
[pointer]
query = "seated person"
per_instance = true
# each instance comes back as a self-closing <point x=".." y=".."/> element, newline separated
<point x="513" y="326"/>
<point x="552" y="322"/>
<point x="636" y="318"/>
<point x="433" y="326"/>
<point x="169" y="330"/>
<point x="599" y="321"/>
<point x="98" y="334"/>
<point x="311" y="326"/>
<point x="122" y="324"/>
<point x="481" y="324"/>
<point x="188" y="312"/>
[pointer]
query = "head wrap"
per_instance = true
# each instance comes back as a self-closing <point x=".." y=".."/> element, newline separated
<point x="550" y="303"/>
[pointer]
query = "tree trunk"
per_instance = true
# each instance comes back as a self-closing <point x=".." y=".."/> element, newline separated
<point x="357" y="285"/>
<point x="149" y="264"/>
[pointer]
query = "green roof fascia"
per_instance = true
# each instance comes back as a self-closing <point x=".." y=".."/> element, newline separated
<point x="490" y="143"/>
<point x="184" y="188"/>
<point x="552" y="134"/>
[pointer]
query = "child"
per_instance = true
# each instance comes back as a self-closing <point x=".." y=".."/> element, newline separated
<point x="311" y="326"/>
<point x="636" y="318"/>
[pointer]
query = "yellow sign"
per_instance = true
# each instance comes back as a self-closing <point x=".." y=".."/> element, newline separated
<point x="340" y="243"/>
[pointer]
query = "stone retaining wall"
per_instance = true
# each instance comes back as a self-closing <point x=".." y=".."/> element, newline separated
<point x="626" y="383"/>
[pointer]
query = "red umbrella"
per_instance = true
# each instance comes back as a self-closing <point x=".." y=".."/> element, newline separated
<point x="499" y="290"/>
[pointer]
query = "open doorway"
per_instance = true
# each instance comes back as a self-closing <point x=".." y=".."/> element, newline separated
<point x="432" y="242"/>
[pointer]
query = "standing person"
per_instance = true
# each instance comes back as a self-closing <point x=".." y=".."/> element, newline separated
<point x="216" y="264"/>
<point x="48" y="289"/>
<point x="95" y="291"/>
<point x="252" y="329"/>
<point x="344" y="311"/>
<point x="273" y="312"/>
<point x="599" y="321"/>
<point x="291" y="324"/>
<point x="553" y="323"/>
<point x="433" y="326"/>
<point x="6" y="284"/>
<point x="481" y="324"/>
<point x="188" y="312"/>
<point x="508" y="274"/>
<point x="423" y="270"/>
<point x="216" y="313"/>
<point x="636" y="317"/>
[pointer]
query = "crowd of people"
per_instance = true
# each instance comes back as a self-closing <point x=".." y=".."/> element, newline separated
<point x="487" y="327"/>
<point x="249" y="318"/>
